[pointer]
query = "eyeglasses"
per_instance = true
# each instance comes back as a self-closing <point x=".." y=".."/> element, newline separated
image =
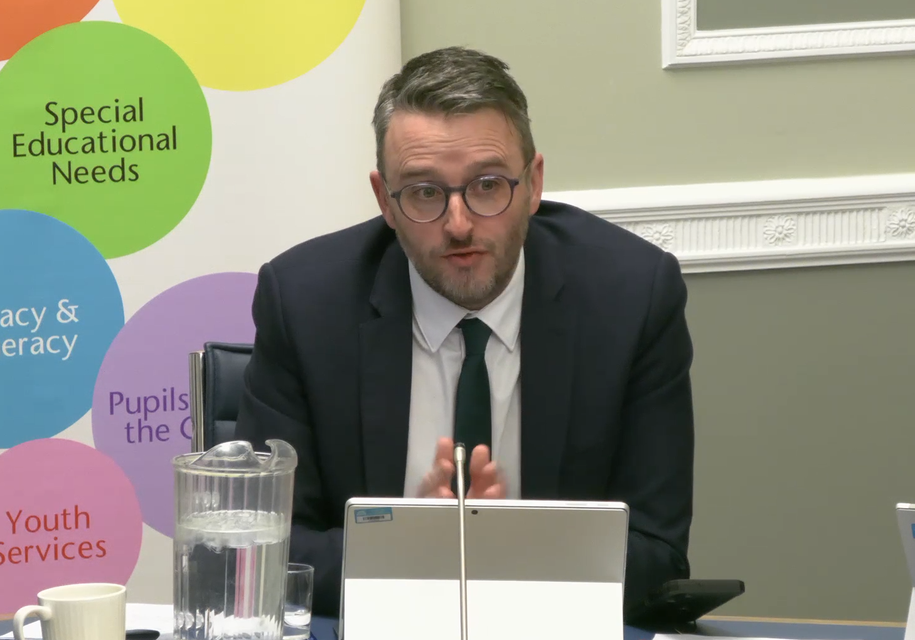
<point x="486" y="196"/>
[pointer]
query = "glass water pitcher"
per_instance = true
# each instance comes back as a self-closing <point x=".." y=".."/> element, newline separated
<point x="233" y="514"/>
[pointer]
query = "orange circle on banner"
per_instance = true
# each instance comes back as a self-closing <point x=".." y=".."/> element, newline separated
<point x="24" y="20"/>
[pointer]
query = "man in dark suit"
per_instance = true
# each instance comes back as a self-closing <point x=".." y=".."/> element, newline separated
<point x="552" y="343"/>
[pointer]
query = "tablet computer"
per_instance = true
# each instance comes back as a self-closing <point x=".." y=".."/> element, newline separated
<point x="533" y="568"/>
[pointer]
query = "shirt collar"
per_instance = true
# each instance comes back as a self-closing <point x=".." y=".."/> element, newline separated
<point x="437" y="316"/>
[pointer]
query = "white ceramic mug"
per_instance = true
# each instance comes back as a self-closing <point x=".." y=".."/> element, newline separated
<point x="78" y="612"/>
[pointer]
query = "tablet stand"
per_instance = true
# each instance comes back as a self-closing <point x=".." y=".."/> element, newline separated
<point x="459" y="455"/>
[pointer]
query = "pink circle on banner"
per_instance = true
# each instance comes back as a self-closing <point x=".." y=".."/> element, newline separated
<point x="69" y="514"/>
<point x="141" y="404"/>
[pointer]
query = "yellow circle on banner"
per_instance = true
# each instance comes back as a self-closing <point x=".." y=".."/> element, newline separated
<point x="239" y="45"/>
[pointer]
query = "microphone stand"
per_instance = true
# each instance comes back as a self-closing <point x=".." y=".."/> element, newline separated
<point x="459" y="457"/>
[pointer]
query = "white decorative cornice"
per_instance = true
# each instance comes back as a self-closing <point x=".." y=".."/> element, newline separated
<point x="766" y="224"/>
<point x="684" y="44"/>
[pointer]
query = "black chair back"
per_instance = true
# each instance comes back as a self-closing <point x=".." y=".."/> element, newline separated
<point x="217" y="381"/>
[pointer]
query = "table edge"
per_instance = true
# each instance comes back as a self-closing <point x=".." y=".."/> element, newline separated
<point x="845" y="623"/>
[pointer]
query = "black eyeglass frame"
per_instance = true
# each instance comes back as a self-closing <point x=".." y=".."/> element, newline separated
<point x="462" y="189"/>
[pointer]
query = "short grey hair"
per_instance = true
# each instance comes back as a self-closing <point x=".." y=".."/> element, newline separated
<point x="452" y="81"/>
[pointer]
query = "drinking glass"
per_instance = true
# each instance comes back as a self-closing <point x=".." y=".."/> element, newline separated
<point x="299" y="588"/>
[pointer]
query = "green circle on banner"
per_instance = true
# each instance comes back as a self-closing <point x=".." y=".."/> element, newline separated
<point x="105" y="128"/>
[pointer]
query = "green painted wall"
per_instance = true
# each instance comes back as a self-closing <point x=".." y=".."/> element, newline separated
<point x="606" y="114"/>
<point x="743" y="14"/>
<point x="805" y="437"/>
<point x="803" y="378"/>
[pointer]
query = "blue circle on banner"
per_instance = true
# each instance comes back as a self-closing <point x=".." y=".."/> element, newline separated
<point x="60" y="309"/>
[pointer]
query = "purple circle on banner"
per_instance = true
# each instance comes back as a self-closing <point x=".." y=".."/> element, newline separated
<point x="141" y="405"/>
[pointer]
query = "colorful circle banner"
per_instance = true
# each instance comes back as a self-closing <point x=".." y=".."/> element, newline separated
<point x="141" y="406"/>
<point x="23" y="20"/>
<point x="60" y="308"/>
<point x="239" y="45"/>
<point x="68" y="514"/>
<point x="105" y="128"/>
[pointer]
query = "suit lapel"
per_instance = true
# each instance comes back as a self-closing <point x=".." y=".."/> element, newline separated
<point x="386" y="352"/>
<point x="547" y="358"/>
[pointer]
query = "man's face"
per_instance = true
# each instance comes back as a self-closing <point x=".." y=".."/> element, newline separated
<point x="465" y="257"/>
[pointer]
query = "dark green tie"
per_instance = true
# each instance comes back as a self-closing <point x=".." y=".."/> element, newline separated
<point x="472" y="415"/>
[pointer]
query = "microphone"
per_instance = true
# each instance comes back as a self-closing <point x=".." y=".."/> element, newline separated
<point x="459" y="456"/>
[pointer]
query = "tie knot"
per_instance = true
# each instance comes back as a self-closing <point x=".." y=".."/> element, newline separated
<point x="476" y="335"/>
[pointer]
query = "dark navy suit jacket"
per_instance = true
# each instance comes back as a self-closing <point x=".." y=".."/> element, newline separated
<point x="606" y="406"/>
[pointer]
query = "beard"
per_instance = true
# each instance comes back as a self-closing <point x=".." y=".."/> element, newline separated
<point x="470" y="287"/>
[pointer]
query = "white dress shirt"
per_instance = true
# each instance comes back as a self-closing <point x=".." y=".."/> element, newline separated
<point x="438" y="353"/>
